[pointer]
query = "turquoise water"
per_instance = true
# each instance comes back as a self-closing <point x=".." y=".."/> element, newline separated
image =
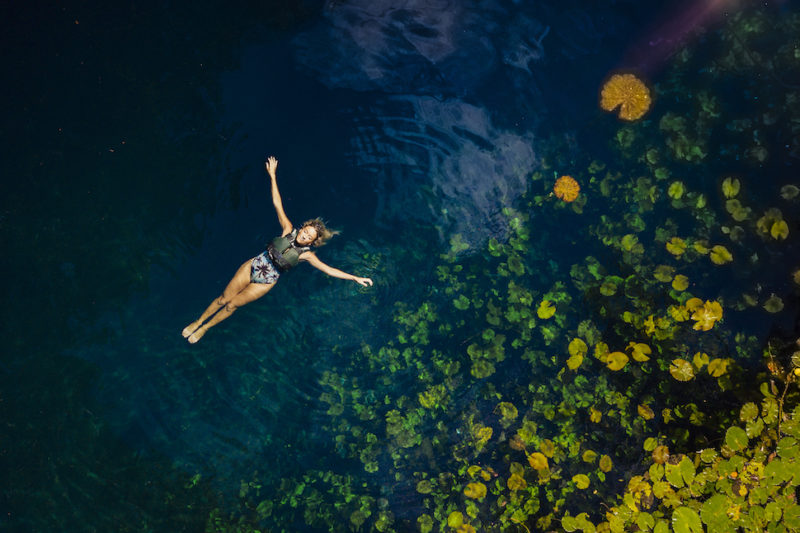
<point x="133" y="187"/>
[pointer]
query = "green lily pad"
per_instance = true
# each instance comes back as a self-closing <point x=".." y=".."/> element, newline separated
<point x="736" y="438"/>
<point x="748" y="412"/>
<point x="686" y="520"/>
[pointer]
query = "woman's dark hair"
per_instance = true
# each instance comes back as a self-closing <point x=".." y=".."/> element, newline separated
<point x="323" y="233"/>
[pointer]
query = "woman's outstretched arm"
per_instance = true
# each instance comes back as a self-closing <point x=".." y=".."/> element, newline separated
<point x="312" y="258"/>
<point x="272" y="167"/>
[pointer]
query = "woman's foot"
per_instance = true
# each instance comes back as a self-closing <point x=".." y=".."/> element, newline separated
<point x="188" y="330"/>
<point x="197" y="335"/>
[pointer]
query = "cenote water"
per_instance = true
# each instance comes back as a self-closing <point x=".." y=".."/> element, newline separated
<point x="581" y="223"/>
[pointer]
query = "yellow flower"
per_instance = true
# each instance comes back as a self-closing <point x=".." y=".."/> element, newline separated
<point x="707" y="315"/>
<point x="627" y="92"/>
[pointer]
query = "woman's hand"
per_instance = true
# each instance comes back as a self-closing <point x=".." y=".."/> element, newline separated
<point x="272" y="166"/>
<point x="366" y="282"/>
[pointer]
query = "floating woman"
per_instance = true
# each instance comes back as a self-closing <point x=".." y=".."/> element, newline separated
<point x="258" y="275"/>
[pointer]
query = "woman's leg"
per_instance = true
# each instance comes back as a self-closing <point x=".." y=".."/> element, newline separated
<point x="252" y="292"/>
<point x="238" y="282"/>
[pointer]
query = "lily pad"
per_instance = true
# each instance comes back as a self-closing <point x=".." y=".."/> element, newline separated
<point x="616" y="360"/>
<point x="681" y="370"/>
<point x="686" y="520"/>
<point x="736" y="438"/>
<point x="581" y="481"/>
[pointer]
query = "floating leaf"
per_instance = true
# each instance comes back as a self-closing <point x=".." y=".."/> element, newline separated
<point x="676" y="246"/>
<point x="640" y="351"/>
<point x="516" y="482"/>
<point x="774" y="304"/>
<point x="720" y="255"/>
<point x="608" y="288"/>
<point x="455" y="519"/>
<point x="606" y="464"/>
<point x="546" y="310"/>
<point x="645" y="411"/>
<point x="660" y="454"/>
<point x="581" y="481"/>
<point x="680" y="283"/>
<point x="718" y="367"/>
<point x="748" y="412"/>
<point x="589" y="456"/>
<point x="714" y="513"/>
<point x="573" y="362"/>
<point x="424" y="487"/>
<point x="681" y="370"/>
<point x="616" y="360"/>
<point x="730" y="187"/>
<point x="664" y="273"/>
<point x="595" y="415"/>
<point x="700" y="360"/>
<point x="476" y="490"/>
<point x="548" y="448"/>
<point x="736" y="438"/>
<point x="686" y="520"/>
<point x="675" y="190"/>
<point x="577" y="347"/>
<point x="789" y="192"/>
<point x="779" y="230"/>
<point x="538" y="461"/>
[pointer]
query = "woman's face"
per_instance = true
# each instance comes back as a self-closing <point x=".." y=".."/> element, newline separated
<point x="306" y="235"/>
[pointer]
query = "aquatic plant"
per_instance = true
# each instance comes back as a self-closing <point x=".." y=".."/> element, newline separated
<point x="566" y="188"/>
<point x="538" y="395"/>
<point x="628" y="93"/>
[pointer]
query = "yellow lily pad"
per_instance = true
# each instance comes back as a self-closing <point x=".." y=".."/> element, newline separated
<point x="616" y="361"/>
<point x="680" y="283"/>
<point x="538" y="461"/>
<point x="720" y="255"/>
<point x="717" y="367"/>
<point x="581" y="481"/>
<point x="774" y="304"/>
<point x="779" y="230"/>
<point x="645" y="411"/>
<point x="681" y="370"/>
<point x="676" y="190"/>
<point x="476" y="490"/>
<point x="640" y="351"/>
<point x="676" y="246"/>
<point x="730" y="187"/>
<point x="546" y="310"/>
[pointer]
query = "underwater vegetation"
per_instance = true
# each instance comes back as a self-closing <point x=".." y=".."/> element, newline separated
<point x="624" y="359"/>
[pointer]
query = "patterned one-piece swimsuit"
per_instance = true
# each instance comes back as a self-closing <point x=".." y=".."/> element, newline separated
<point x="262" y="270"/>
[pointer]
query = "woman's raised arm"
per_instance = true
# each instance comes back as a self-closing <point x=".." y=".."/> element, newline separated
<point x="312" y="258"/>
<point x="272" y="167"/>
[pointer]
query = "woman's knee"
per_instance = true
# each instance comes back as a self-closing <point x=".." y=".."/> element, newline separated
<point x="230" y="307"/>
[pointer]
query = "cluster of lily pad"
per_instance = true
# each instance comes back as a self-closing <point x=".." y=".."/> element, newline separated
<point x="522" y="395"/>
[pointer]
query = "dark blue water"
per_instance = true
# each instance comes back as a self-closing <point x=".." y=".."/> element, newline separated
<point x="134" y="139"/>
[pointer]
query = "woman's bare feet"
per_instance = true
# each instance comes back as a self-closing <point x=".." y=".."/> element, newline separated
<point x="197" y="335"/>
<point x="188" y="330"/>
